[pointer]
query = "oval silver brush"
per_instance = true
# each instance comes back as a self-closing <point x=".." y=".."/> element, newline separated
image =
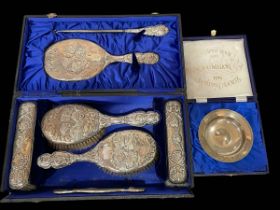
<point x="121" y="153"/>
<point x="76" y="126"/>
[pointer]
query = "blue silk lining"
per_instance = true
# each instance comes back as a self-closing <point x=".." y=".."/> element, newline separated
<point x="164" y="75"/>
<point x="84" y="175"/>
<point x="255" y="161"/>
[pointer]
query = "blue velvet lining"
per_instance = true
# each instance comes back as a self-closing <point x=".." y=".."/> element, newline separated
<point x="150" y="190"/>
<point x="164" y="75"/>
<point x="84" y="174"/>
<point x="255" y="161"/>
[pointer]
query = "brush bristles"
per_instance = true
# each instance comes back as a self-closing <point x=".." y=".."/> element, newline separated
<point x="92" y="140"/>
<point x="136" y="171"/>
<point x="80" y="145"/>
<point x="171" y="184"/>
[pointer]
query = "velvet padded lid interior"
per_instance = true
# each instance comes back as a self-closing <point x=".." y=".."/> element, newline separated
<point x="166" y="74"/>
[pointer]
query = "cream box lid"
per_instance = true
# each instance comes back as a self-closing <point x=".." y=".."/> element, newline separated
<point x="216" y="68"/>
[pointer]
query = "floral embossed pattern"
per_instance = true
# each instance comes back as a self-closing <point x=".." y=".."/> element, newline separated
<point x="71" y="125"/>
<point x="23" y="147"/>
<point x="175" y="142"/>
<point x="122" y="153"/>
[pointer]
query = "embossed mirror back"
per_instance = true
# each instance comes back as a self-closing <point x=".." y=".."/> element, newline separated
<point x="78" y="59"/>
<point x="74" y="59"/>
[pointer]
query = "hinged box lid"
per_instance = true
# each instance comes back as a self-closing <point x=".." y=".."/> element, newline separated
<point x="218" y="67"/>
<point x="42" y="32"/>
<point x="219" y="76"/>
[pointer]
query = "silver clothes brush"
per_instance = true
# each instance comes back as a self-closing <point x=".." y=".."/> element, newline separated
<point x="19" y="178"/>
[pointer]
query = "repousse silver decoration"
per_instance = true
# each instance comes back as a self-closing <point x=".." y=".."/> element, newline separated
<point x="68" y="126"/>
<point x="23" y="147"/>
<point x="121" y="153"/>
<point x="157" y="30"/>
<point x="177" y="172"/>
<point x="78" y="59"/>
